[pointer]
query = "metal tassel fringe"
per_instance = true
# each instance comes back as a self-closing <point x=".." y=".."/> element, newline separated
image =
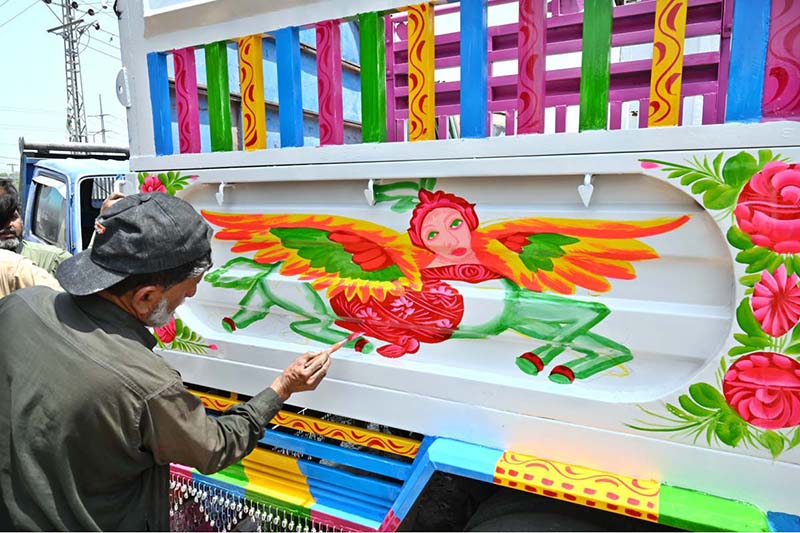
<point x="199" y="506"/>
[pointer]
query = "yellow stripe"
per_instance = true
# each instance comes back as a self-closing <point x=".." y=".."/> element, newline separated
<point x="277" y="475"/>
<point x="610" y="492"/>
<point x="421" y="92"/>
<point x="363" y="437"/>
<point x="251" y="71"/>
<point x="667" y="69"/>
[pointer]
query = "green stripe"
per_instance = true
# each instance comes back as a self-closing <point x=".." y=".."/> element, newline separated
<point x="595" y="64"/>
<point x="234" y="474"/>
<point x="373" y="77"/>
<point x="219" y="98"/>
<point x="697" y="511"/>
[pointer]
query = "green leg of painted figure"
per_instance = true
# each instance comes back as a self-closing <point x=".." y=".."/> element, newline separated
<point x="258" y="301"/>
<point x="563" y="323"/>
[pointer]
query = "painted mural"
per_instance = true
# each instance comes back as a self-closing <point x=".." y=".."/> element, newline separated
<point x="398" y="290"/>
<point x="755" y="401"/>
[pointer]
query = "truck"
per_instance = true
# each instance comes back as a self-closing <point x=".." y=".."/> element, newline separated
<point x="62" y="186"/>
<point x="563" y="257"/>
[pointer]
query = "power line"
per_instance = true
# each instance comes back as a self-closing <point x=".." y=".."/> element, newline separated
<point x="101" y="52"/>
<point x="4" y="3"/>
<point x="103" y="42"/>
<point x="20" y="13"/>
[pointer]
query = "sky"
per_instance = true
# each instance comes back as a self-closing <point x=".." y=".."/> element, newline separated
<point x="33" y="96"/>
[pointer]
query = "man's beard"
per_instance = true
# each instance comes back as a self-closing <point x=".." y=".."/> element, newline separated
<point x="161" y="315"/>
<point x="11" y="243"/>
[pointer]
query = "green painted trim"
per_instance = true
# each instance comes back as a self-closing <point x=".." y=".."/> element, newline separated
<point x="373" y="77"/>
<point x="219" y="98"/>
<point x="595" y="65"/>
<point x="697" y="511"/>
<point x="234" y="474"/>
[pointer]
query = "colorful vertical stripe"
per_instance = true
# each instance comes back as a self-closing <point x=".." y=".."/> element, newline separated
<point x="782" y="81"/>
<point x="251" y="76"/>
<point x="373" y="77"/>
<point x="667" y="69"/>
<point x="186" y="100"/>
<point x="595" y="65"/>
<point x="219" y="105"/>
<point x="474" y="69"/>
<point x="531" y="66"/>
<point x="159" y="102"/>
<point x="290" y="92"/>
<point x="421" y="105"/>
<point x="748" y="61"/>
<point x="329" y="83"/>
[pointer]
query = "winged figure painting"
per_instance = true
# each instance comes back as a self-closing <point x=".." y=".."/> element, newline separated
<point x="401" y="291"/>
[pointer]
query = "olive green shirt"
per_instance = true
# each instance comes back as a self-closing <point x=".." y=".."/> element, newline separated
<point x="91" y="417"/>
<point x="43" y="255"/>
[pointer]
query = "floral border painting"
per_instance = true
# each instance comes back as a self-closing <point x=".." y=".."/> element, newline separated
<point x="756" y="401"/>
<point x="175" y="335"/>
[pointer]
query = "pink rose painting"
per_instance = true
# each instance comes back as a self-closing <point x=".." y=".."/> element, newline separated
<point x="153" y="184"/>
<point x="764" y="388"/>
<point x="768" y="208"/>
<point x="166" y="333"/>
<point x="776" y="302"/>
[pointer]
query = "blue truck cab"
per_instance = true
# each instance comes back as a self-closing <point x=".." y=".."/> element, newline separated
<point x="62" y="187"/>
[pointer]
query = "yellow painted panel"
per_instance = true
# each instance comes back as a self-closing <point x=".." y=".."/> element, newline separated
<point x="610" y="492"/>
<point x="667" y="70"/>
<point x="364" y="437"/>
<point x="251" y="70"/>
<point x="421" y="106"/>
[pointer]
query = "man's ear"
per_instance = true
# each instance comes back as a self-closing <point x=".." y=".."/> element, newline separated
<point x="145" y="299"/>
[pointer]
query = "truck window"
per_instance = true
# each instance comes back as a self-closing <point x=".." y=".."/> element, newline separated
<point x="50" y="215"/>
<point x="93" y="191"/>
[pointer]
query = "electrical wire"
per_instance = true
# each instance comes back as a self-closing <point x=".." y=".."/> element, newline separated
<point x="102" y="52"/>
<point x="20" y="13"/>
<point x="95" y="39"/>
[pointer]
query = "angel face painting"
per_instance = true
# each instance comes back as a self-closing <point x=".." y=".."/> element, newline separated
<point x="400" y="290"/>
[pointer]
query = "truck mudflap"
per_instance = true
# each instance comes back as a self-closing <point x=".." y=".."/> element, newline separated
<point x="312" y="474"/>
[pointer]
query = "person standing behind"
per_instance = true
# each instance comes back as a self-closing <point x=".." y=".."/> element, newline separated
<point x="42" y="255"/>
<point x="90" y="416"/>
<point x="17" y="272"/>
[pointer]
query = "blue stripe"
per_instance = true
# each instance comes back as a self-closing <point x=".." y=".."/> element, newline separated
<point x="290" y="95"/>
<point x="464" y="459"/>
<point x="335" y="498"/>
<point x="159" y="102"/>
<point x="748" y="60"/>
<point x="421" y="472"/>
<point x="474" y="69"/>
<point x="362" y="461"/>
<point x="375" y="488"/>
<point x="783" y="521"/>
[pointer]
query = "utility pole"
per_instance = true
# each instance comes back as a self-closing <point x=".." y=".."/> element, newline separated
<point x="102" y="119"/>
<point x="69" y="31"/>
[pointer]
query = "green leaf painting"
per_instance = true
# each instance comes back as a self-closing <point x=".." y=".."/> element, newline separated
<point x="178" y="336"/>
<point x="403" y="194"/>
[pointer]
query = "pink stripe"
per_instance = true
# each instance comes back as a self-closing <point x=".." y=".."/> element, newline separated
<point x="531" y="80"/>
<point x="329" y="83"/>
<point x="338" y="523"/>
<point x="782" y="80"/>
<point x="175" y="468"/>
<point x="186" y="96"/>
